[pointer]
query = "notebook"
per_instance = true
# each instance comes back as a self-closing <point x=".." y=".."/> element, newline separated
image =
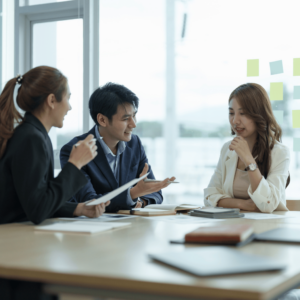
<point x="115" y="192"/>
<point x="286" y="235"/>
<point x="217" y="260"/>
<point x="176" y="207"/>
<point x="216" y="213"/>
<point x="151" y="212"/>
<point x="80" y="227"/>
<point x="220" y="234"/>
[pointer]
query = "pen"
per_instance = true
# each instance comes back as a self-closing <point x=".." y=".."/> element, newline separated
<point x="154" y="180"/>
<point x="92" y="140"/>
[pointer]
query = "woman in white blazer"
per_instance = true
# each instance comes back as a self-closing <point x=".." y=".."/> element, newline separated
<point x="253" y="169"/>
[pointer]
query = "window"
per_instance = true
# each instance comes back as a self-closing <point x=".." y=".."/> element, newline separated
<point x="59" y="44"/>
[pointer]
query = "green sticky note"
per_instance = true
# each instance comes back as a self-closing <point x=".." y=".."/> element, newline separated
<point x="296" y="67"/>
<point x="276" y="91"/>
<point x="296" y="118"/>
<point x="252" y="67"/>
<point x="296" y="144"/>
<point x="278" y="114"/>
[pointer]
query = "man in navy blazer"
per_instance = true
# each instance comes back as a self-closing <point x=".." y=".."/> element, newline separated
<point x="121" y="155"/>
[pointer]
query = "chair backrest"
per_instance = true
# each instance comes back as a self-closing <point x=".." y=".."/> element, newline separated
<point x="293" y="205"/>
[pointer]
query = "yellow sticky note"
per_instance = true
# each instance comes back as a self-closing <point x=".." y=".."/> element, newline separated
<point x="296" y="118"/>
<point x="276" y="91"/>
<point x="296" y="67"/>
<point x="252" y="67"/>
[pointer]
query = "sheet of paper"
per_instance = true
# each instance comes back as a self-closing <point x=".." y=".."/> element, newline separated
<point x="276" y="67"/>
<point x="172" y="206"/>
<point x="296" y="93"/>
<point x="252" y="67"/>
<point x="116" y="192"/>
<point x="79" y="227"/>
<point x="112" y="225"/>
<point x="296" y="118"/>
<point x="278" y="116"/>
<point x="262" y="216"/>
<point x="276" y="91"/>
<point x="103" y="218"/>
<point x="296" y="144"/>
<point x="182" y="219"/>
<point x="296" y="67"/>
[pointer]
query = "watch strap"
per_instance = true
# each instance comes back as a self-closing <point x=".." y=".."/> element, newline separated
<point x="249" y="169"/>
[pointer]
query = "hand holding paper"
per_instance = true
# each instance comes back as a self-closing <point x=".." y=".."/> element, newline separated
<point x="115" y="192"/>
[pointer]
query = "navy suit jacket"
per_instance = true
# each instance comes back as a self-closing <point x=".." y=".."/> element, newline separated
<point x="101" y="179"/>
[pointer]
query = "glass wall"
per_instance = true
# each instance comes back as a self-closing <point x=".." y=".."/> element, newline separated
<point x="36" y="2"/>
<point x="60" y="44"/>
<point x="213" y="41"/>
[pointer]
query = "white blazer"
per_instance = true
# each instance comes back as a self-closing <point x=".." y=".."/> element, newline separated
<point x="270" y="193"/>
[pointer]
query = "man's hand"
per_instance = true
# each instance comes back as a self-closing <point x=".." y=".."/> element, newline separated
<point x="139" y="204"/>
<point x="144" y="188"/>
<point x="248" y="205"/>
<point x="93" y="211"/>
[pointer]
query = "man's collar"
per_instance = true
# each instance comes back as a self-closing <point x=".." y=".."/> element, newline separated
<point x="106" y="149"/>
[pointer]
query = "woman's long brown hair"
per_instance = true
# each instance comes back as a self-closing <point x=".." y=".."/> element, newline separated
<point x="256" y="104"/>
<point x="36" y="85"/>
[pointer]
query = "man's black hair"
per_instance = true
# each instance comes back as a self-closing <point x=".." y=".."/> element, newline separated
<point x="106" y="99"/>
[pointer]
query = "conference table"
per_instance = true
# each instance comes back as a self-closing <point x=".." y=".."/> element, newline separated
<point x="115" y="263"/>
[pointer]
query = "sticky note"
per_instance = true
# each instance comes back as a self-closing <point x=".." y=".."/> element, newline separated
<point x="276" y="91"/>
<point x="296" y="118"/>
<point x="276" y="67"/>
<point x="278" y="116"/>
<point x="296" y="94"/>
<point x="252" y="67"/>
<point x="296" y="67"/>
<point x="296" y="144"/>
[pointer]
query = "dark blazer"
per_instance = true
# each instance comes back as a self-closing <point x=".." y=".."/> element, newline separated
<point x="101" y="179"/>
<point x="28" y="189"/>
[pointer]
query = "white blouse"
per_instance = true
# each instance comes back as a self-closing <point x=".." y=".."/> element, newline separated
<point x="270" y="193"/>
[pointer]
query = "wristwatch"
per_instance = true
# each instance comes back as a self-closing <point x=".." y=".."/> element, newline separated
<point x="251" y="167"/>
<point x="142" y="202"/>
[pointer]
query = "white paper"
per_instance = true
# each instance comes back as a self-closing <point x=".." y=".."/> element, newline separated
<point x="81" y="227"/>
<point x="115" y="192"/>
<point x="261" y="216"/>
<point x="182" y="219"/>
<point x="172" y="206"/>
<point x="74" y="227"/>
<point x="103" y="218"/>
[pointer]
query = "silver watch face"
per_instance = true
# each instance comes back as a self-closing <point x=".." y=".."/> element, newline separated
<point x="252" y="167"/>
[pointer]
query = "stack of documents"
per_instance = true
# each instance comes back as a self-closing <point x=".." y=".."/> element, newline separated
<point x="81" y="227"/>
<point x="162" y="209"/>
<point x="216" y="213"/>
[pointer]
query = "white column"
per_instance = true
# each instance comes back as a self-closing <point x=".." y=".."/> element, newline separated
<point x="90" y="56"/>
<point x="170" y="126"/>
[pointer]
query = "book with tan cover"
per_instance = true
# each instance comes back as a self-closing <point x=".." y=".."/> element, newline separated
<point x="220" y="234"/>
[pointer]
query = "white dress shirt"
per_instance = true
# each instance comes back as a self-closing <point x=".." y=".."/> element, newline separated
<point x="270" y="193"/>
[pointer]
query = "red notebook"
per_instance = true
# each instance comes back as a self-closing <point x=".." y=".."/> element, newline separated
<point x="220" y="234"/>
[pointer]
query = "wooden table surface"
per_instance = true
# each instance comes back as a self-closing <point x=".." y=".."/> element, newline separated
<point x="117" y="259"/>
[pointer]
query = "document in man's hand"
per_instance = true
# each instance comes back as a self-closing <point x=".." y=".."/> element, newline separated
<point x="116" y="192"/>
